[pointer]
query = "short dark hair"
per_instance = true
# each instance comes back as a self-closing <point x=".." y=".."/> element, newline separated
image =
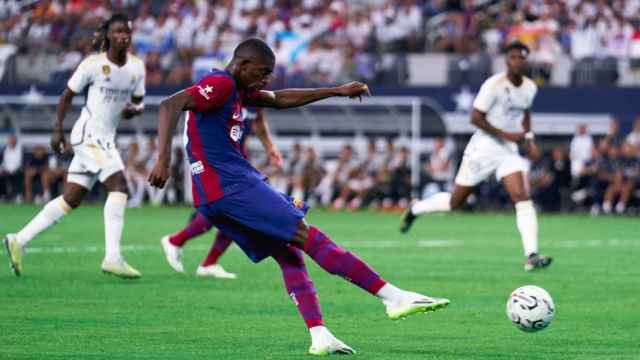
<point x="254" y="48"/>
<point x="517" y="45"/>
<point x="100" y="42"/>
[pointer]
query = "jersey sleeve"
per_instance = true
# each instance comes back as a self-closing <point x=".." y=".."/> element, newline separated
<point x="485" y="98"/>
<point x="139" y="90"/>
<point x="211" y="92"/>
<point x="81" y="77"/>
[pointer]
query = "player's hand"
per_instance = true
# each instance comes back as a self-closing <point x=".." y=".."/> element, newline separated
<point x="58" y="142"/>
<point x="130" y="111"/>
<point x="159" y="175"/>
<point x="354" y="89"/>
<point x="275" y="158"/>
<point x="516" y="137"/>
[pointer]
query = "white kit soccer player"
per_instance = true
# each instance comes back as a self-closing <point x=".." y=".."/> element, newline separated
<point x="501" y="111"/>
<point x="114" y="81"/>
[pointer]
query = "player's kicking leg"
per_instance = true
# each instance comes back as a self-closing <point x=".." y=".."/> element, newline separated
<point x="301" y="290"/>
<point x="50" y="214"/>
<point x="210" y="266"/>
<point x="439" y="202"/>
<point x="335" y="260"/>
<point x="172" y="244"/>
<point x="114" y="209"/>
<point x="526" y="219"/>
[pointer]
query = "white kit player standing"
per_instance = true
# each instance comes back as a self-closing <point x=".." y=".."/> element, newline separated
<point x="115" y="81"/>
<point x="501" y="111"/>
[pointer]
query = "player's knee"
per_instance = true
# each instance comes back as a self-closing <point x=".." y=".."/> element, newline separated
<point x="519" y="195"/>
<point x="72" y="199"/>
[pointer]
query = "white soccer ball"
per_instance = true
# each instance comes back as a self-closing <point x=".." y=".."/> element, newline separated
<point x="530" y="308"/>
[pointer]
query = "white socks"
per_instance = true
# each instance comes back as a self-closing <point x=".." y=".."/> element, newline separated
<point x="51" y="213"/>
<point x="527" y="221"/>
<point x="317" y="332"/>
<point x="113" y="223"/>
<point x="390" y="294"/>
<point x="438" y="202"/>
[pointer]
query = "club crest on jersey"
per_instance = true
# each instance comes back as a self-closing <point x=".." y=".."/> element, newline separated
<point x="106" y="70"/>
<point x="205" y="91"/>
<point x="197" y="168"/>
<point x="236" y="133"/>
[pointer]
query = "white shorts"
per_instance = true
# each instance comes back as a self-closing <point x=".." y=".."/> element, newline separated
<point x="94" y="160"/>
<point x="479" y="162"/>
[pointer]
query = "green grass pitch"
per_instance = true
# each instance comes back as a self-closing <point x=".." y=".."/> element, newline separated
<point x="64" y="308"/>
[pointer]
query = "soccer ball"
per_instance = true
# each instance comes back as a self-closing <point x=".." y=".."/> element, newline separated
<point x="530" y="308"/>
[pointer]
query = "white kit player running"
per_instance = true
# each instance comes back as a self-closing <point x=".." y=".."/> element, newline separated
<point x="115" y="81"/>
<point x="501" y="112"/>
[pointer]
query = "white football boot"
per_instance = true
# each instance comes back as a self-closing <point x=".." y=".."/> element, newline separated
<point x="324" y="343"/>
<point x="173" y="254"/>
<point x="413" y="303"/>
<point x="119" y="268"/>
<point x="15" y="252"/>
<point x="216" y="271"/>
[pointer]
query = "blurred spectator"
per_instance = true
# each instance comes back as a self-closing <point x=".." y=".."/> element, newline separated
<point x="614" y="138"/>
<point x="634" y="136"/>
<point x="337" y="176"/>
<point x="581" y="150"/>
<point x="11" y="176"/>
<point x="438" y="170"/>
<point x="630" y="176"/>
<point x="135" y="174"/>
<point x="611" y="173"/>
<point x="37" y="168"/>
<point x="312" y="173"/>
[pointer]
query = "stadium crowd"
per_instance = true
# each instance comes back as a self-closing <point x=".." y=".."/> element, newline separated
<point x="597" y="174"/>
<point x="319" y="41"/>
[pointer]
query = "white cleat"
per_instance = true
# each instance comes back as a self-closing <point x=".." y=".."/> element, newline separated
<point x="15" y="252"/>
<point x="216" y="271"/>
<point x="324" y="343"/>
<point x="120" y="268"/>
<point x="414" y="303"/>
<point x="173" y="254"/>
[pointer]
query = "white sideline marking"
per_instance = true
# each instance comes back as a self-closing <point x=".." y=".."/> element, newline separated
<point x="363" y="244"/>
<point x="439" y="243"/>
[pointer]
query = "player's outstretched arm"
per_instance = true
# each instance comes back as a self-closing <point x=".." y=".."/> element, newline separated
<point x="168" y="116"/>
<point x="479" y="119"/>
<point x="288" y="98"/>
<point x="58" y="141"/>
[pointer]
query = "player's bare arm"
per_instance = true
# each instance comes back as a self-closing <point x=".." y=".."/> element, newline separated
<point x="526" y="126"/>
<point x="58" y="142"/>
<point x="135" y="108"/>
<point x="289" y="98"/>
<point x="264" y="134"/>
<point x="479" y="119"/>
<point x="168" y="116"/>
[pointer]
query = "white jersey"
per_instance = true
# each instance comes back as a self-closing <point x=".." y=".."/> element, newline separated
<point x="110" y="89"/>
<point x="504" y="105"/>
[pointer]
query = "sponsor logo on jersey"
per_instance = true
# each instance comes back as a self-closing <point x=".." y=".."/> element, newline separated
<point x="197" y="168"/>
<point x="205" y="91"/>
<point x="236" y="133"/>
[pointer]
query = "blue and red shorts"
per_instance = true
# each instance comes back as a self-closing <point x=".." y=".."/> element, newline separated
<point x="259" y="219"/>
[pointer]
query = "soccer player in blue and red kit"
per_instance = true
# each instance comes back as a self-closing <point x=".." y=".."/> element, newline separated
<point x="235" y="197"/>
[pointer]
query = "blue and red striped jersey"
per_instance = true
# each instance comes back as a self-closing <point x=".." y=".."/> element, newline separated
<point x="214" y="134"/>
